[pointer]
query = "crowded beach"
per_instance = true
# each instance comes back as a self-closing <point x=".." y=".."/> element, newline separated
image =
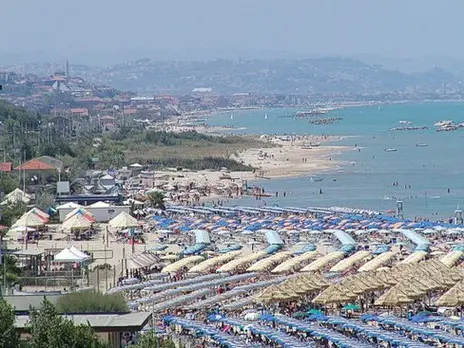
<point x="290" y="277"/>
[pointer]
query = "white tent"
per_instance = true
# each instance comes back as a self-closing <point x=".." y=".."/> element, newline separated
<point x="77" y="211"/>
<point x="78" y="253"/>
<point x="30" y="219"/>
<point x="22" y="229"/>
<point x="16" y="196"/>
<point x="70" y="205"/>
<point x="100" y="205"/>
<point x="76" y="221"/>
<point x="67" y="255"/>
<point x="123" y="220"/>
<point x="131" y="201"/>
<point x="136" y="165"/>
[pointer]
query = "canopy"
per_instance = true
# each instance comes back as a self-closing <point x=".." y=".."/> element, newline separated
<point x="201" y="237"/>
<point x="16" y="196"/>
<point x="450" y="259"/>
<point x="77" y="221"/>
<point x="269" y="262"/>
<point x="100" y="205"/>
<point x="323" y="261"/>
<point x="67" y="255"/>
<point x="295" y="263"/>
<point x="31" y="219"/>
<point x="80" y="211"/>
<point x="235" y="264"/>
<point x="347" y="263"/>
<point x="273" y="237"/>
<point x="123" y="220"/>
<point x="377" y="262"/>
<point x="186" y="262"/>
<point x="79" y="253"/>
<point x="70" y="205"/>
<point x="415" y="257"/>
<point x="344" y="238"/>
<point x="209" y="264"/>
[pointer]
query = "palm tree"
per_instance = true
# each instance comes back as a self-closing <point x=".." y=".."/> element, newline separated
<point x="157" y="199"/>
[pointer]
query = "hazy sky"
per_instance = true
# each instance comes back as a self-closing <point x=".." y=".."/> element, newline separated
<point x="86" y="28"/>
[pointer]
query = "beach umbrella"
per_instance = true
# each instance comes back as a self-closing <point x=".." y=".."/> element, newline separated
<point x="393" y="297"/>
<point x="352" y="307"/>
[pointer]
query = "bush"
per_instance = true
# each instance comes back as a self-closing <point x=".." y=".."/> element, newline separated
<point x="91" y="302"/>
<point x="213" y="163"/>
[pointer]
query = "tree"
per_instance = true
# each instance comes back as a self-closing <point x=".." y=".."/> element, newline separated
<point x="12" y="271"/>
<point x="8" y="183"/>
<point x="157" y="199"/>
<point x="91" y="302"/>
<point x="48" y="329"/>
<point x="9" y="338"/>
<point x="150" y="340"/>
<point x="12" y="212"/>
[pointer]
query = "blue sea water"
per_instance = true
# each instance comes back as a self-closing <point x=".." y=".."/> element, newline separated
<point x="424" y="174"/>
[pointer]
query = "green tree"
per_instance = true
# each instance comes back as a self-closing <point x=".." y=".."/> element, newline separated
<point x="150" y="340"/>
<point x="8" y="182"/>
<point x="48" y="329"/>
<point x="12" y="212"/>
<point x="9" y="338"/>
<point x="12" y="271"/>
<point x="91" y="302"/>
<point x="157" y="199"/>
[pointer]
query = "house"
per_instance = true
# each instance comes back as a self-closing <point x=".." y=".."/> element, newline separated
<point x="6" y="167"/>
<point x="80" y="112"/>
<point x="61" y="125"/>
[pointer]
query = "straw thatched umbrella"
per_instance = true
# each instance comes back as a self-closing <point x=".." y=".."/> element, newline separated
<point x="334" y="294"/>
<point x="393" y="297"/>
<point x="454" y="297"/>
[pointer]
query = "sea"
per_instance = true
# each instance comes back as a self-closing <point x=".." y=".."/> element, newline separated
<point x="429" y="180"/>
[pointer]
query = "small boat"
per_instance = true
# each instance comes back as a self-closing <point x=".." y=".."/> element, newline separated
<point x="422" y="145"/>
<point x="405" y="122"/>
<point x="265" y="116"/>
<point x="231" y="116"/>
<point x="315" y="179"/>
<point x="391" y="149"/>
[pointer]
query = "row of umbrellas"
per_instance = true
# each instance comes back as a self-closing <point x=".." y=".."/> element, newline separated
<point x="293" y="288"/>
<point x="277" y="337"/>
<point x="214" y="334"/>
<point x="415" y="329"/>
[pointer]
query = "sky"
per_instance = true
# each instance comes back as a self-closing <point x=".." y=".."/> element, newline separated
<point x="94" y="30"/>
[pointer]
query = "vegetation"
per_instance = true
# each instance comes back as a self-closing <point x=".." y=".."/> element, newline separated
<point x="150" y="340"/>
<point x="12" y="212"/>
<point x="47" y="329"/>
<point x="9" y="338"/>
<point x="27" y="136"/>
<point x="157" y="199"/>
<point x="91" y="302"/>
<point x="12" y="271"/>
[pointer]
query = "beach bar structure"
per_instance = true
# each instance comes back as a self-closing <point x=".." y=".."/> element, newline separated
<point x="109" y="327"/>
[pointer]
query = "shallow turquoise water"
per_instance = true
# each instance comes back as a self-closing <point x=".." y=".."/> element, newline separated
<point x="430" y="170"/>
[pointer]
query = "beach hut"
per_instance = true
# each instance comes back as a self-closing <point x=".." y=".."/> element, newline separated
<point x="123" y="220"/>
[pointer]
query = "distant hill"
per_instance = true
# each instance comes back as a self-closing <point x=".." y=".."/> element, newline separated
<point x="313" y="76"/>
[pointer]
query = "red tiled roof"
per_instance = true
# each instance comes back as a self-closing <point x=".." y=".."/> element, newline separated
<point x="130" y="111"/>
<point x="6" y="167"/>
<point x="79" y="111"/>
<point x="35" y="165"/>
